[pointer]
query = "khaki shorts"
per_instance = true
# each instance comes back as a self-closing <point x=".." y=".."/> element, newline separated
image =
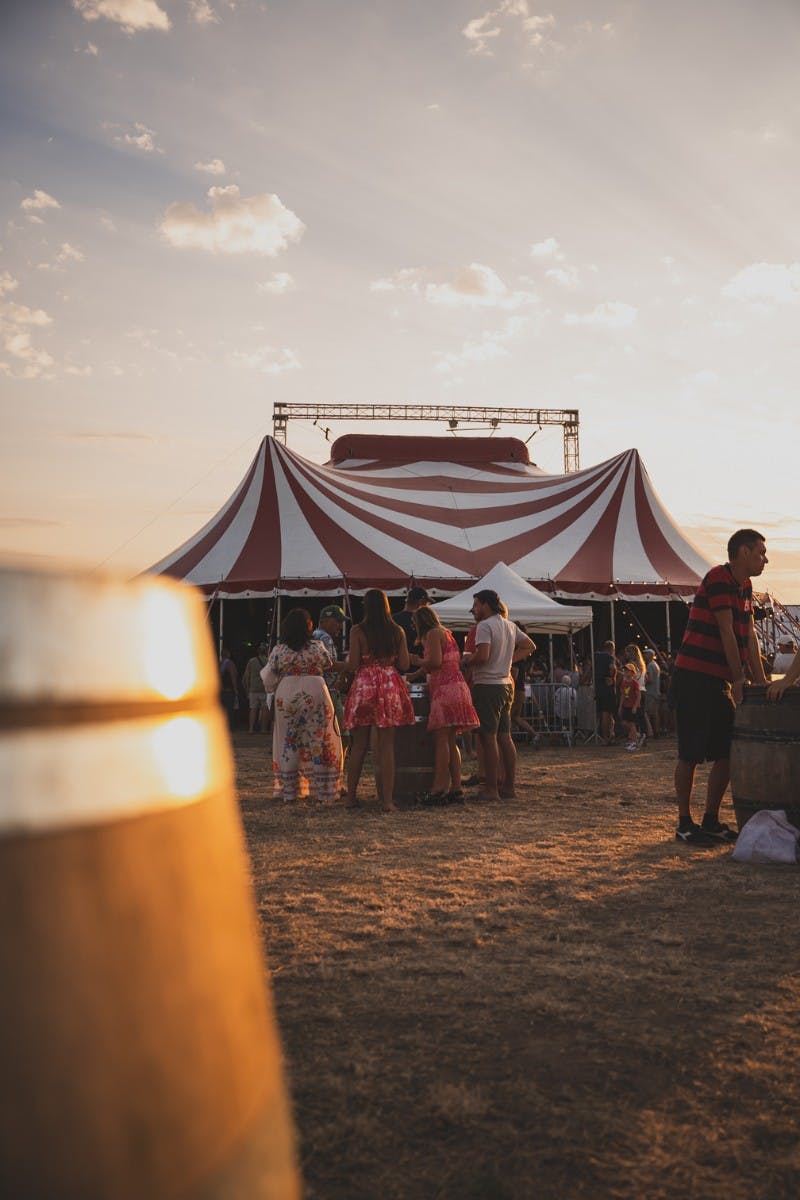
<point x="493" y="705"/>
<point x="257" y="699"/>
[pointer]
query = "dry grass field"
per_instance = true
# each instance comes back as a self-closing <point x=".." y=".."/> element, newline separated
<point x="543" y="998"/>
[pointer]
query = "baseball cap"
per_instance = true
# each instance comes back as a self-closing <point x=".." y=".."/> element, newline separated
<point x="418" y="595"/>
<point x="332" y="610"/>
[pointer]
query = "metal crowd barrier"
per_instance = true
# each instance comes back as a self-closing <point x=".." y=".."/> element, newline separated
<point x="556" y="709"/>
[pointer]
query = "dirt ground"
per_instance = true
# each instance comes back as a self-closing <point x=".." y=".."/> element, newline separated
<point x="546" y="997"/>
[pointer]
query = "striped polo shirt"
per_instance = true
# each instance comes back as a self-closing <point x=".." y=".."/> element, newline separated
<point x="701" y="649"/>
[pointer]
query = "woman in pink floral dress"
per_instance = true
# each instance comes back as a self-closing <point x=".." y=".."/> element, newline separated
<point x="378" y="697"/>
<point x="451" y="704"/>
<point x="305" y="739"/>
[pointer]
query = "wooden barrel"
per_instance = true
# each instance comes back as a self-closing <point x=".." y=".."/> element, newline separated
<point x="414" y="751"/>
<point x="765" y="755"/>
<point x="138" y="1043"/>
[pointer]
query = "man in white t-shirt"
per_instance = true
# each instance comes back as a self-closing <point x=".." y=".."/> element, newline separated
<point x="498" y="644"/>
<point x="784" y="657"/>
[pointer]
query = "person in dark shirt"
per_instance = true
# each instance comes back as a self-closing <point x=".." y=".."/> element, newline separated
<point x="718" y="649"/>
<point x="416" y="598"/>
<point x="605" y="678"/>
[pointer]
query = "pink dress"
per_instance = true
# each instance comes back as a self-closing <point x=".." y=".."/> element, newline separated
<point x="451" y="704"/>
<point x="378" y="696"/>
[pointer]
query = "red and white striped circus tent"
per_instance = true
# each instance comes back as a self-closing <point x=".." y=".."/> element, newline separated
<point x="385" y="511"/>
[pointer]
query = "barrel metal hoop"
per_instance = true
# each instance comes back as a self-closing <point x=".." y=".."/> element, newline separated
<point x="765" y="735"/>
<point x="51" y="714"/>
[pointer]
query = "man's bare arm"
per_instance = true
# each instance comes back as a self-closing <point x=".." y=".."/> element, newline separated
<point x="732" y="653"/>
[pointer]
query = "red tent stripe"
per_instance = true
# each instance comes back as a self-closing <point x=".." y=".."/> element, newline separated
<point x="350" y="555"/>
<point x="261" y="554"/>
<point x="451" y="512"/>
<point x="663" y="557"/>
<point x="595" y="558"/>
<point x="184" y="565"/>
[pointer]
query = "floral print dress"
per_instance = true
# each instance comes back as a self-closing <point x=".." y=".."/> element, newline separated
<point x="378" y="696"/>
<point x="306" y="742"/>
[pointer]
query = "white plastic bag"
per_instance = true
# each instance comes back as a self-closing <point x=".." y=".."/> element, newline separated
<point x="768" y="837"/>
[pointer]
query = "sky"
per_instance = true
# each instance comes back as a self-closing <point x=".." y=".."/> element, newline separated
<point x="210" y="205"/>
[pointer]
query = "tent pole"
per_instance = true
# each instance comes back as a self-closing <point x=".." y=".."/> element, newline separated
<point x="669" y="632"/>
<point x="552" y="668"/>
<point x="594" y="694"/>
<point x="613" y="633"/>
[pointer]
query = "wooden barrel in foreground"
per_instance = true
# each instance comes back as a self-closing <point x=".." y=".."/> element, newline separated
<point x="414" y="751"/>
<point x="138" y="1043"/>
<point x="765" y="755"/>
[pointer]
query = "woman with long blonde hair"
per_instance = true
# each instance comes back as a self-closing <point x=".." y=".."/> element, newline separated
<point x="451" y="705"/>
<point x="632" y="654"/>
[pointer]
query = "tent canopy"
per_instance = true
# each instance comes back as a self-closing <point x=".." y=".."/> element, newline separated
<point x="386" y="512"/>
<point x="537" y="612"/>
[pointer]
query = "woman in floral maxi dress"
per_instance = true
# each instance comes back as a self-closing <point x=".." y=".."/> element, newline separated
<point x="305" y="739"/>
<point x="451" y="705"/>
<point x="378" y="697"/>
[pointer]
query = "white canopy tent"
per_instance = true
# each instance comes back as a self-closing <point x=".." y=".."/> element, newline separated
<point x="525" y="603"/>
<point x="532" y="608"/>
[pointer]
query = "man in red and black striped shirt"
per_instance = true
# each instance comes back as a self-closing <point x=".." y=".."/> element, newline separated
<point x="718" y="651"/>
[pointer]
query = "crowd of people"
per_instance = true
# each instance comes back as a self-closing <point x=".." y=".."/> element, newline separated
<point x="325" y="710"/>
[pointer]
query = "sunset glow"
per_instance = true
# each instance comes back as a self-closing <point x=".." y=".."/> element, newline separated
<point x="210" y="205"/>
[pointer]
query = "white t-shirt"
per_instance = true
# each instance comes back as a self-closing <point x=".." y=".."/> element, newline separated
<point x="501" y="636"/>
<point x="783" y="660"/>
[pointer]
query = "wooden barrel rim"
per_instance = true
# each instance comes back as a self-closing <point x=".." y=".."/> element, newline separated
<point x="50" y="714"/>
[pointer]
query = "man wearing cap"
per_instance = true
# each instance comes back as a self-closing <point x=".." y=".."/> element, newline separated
<point x="498" y="644"/>
<point x="331" y="622"/>
<point x="784" y="657"/>
<point x="416" y="597"/>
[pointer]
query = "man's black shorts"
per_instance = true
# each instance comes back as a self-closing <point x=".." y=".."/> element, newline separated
<point x="704" y="712"/>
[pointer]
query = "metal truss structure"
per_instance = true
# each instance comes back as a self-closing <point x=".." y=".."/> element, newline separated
<point x="452" y="415"/>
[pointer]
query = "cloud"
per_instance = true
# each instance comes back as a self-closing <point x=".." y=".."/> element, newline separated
<point x="20" y="314"/>
<point x="72" y="369"/>
<point x="612" y="314"/>
<point x="36" y="362"/>
<point x="701" y="380"/>
<point x="91" y="49"/>
<point x="142" y="139"/>
<point x="235" y="224"/>
<point x="107" y="436"/>
<point x="483" y="32"/>
<point x="472" y="286"/>
<point x="215" y="167"/>
<point x="766" y="283"/>
<point x="203" y="13"/>
<point x="549" y="248"/>
<point x="492" y="344"/>
<point x="267" y="359"/>
<point x="16" y="323"/>
<point x="279" y="282"/>
<point x="565" y="277"/>
<point x="66" y="254"/>
<point x="29" y="523"/>
<point x="38" y="202"/>
<point x="132" y="15"/>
